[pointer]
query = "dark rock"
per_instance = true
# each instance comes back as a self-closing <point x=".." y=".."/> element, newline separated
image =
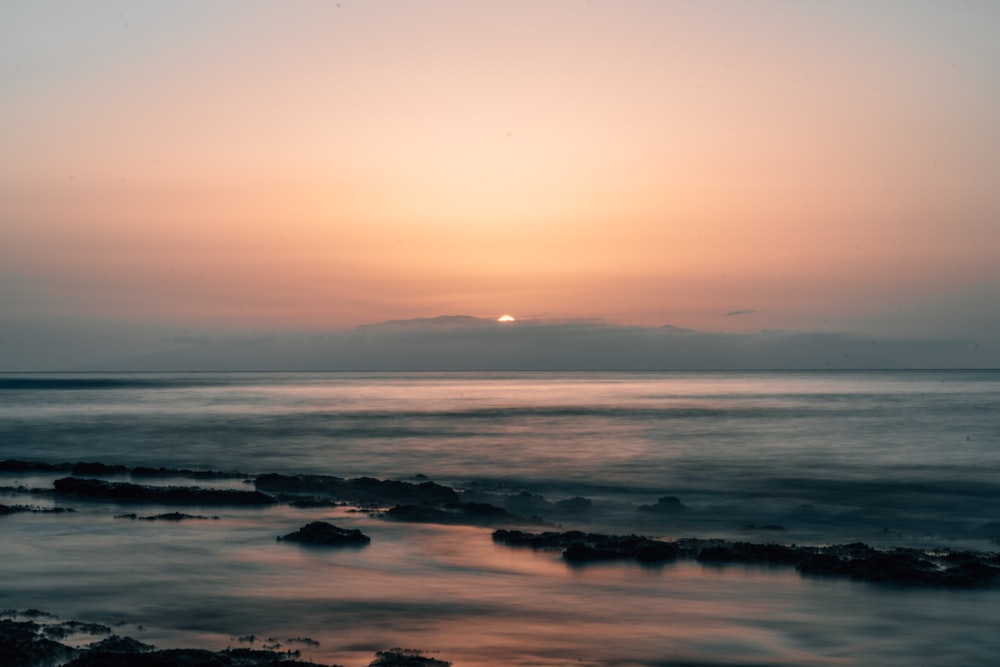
<point x="144" y="471"/>
<point x="163" y="658"/>
<point x="909" y="567"/>
<point x="326" y="534"/>
<point x="581" y="552"/>
<point x="745" y="552"/>
<point x="576" y="505"/>
<point x="116" y="644"/>
<point x="22" y="645"/>
<point x="14" y="509"/>
<point x="94" y="468"/>
<point x="125" y="492"/>
<point x="401" y="657"/>
<point x="364" y="490"/>
<point x="314" y="501"/>
<point x="276" y="482"/>
<point x="527" y="503"/>
<point x="665" y="505"/>
<point x="767" y="527"/>
<point x="175" y="516"/>
<point x="656" y="552"/>
<point x="15" y="465"/>
<point x="67" y="628"/>
<point x="477" y="514"/>
<point x="579" y="547"/>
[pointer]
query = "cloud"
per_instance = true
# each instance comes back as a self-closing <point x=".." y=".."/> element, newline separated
<point x="745" y="311"/>
<point x="459" y="343"/>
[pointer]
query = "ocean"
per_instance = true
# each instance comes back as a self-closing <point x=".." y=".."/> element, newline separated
<point x="892" y="459"/>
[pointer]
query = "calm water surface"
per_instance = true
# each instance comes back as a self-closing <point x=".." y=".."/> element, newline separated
<point x="895" y="458"/>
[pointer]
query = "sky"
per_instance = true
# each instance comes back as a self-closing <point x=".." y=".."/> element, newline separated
<point x="230" y="168"/>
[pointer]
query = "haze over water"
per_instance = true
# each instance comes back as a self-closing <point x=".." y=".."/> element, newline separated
<point x="888" y="458"/>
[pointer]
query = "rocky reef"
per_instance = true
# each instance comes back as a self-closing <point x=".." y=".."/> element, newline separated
<point x="126" y="492"/>
<point x="857" y="561"/>
<point x="360" y="490"/>
<point x="32" y="640"/>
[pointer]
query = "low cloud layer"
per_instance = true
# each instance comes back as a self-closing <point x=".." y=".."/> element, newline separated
<point x="466" y="343"/>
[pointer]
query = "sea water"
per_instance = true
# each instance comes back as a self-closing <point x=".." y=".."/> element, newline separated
<point x="889" y="458"/>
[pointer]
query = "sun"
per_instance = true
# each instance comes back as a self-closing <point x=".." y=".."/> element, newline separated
<point x="506" y="318"/>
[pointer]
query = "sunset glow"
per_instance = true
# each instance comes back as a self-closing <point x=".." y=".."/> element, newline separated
<point x="815" y="166"/>
<point x="506" y="318"/>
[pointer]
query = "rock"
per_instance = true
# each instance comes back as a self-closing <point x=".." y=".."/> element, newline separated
<point x="575" y="505"/>
<point x="144" y="471"/>
<point x="14" y="509"/>
<point x="186" y="657"/>
<point x="326" y="534"/>
<point x="364" y="490"/>
<point x="527" y="503"/>
<point x="401" y="657"/>
<point x="767" y="527"/>
<point x="746" y="552"/>
<point x="476" y="514"/>
<point x="116" y="644"/>
<point x="175" y="516"/>
<point x="909" y="567"/>
<point x="314" y="501"/>
<point x="15" y="465"/>
<point x="125" y="492"/>
<point x="22" y="645"/>
<point x="94" y="468"/>
<point x="665" y="505"/>
<point x="579" y="547"/>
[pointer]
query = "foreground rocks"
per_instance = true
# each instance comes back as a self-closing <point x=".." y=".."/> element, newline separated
<point x="858" y="561"/>
<point x="33" y="643"/>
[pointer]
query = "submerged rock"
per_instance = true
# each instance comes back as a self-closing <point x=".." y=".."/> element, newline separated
<point x="125" y="492"/>
<point x="575" y="505"/>
<point x="858" y="561"/>
<point x="188" y="657"/>
<point x="145" y="471"/>
<point x="364" y="490"/>
<point x="170" y="516"/>
<point x="476" y="514"/>
<point x="402" y="657"/>
<point x="326" y="534"/>
<point x="116" y="644"/>
<point x="665" y="505"/>
<point x="579" y="547"/>
<point x="16" y="465"/>
<point x="95" y="468"/>
<point x="14" y="509"/>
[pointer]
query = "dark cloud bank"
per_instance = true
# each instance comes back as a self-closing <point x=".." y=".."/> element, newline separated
<point x="468" y="343"/>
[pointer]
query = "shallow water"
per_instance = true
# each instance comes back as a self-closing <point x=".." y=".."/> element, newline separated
<point x="891" y="458"/>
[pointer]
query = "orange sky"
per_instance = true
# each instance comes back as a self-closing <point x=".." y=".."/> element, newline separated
<point x="276" y="166"/>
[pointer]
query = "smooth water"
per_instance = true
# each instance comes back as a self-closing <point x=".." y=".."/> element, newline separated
<point x="893" y="458"/>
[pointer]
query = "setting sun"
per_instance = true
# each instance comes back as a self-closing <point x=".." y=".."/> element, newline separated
<point x="506" y="318"/>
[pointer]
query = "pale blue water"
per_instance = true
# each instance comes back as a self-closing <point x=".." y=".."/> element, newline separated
<point x="890" y="458"/>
